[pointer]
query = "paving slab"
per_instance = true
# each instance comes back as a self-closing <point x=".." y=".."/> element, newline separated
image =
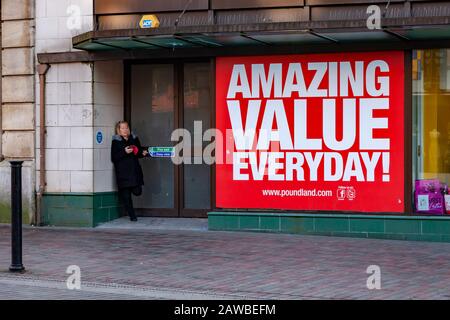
<point x="150" y="223"/>
<point x="184" y="264"/>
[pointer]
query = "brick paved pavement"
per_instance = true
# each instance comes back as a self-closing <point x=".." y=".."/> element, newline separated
<point x="208" y="265"/>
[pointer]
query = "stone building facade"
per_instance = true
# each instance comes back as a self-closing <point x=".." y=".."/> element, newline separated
<point x="17" y="101"/>
<point x="77" y="169"/>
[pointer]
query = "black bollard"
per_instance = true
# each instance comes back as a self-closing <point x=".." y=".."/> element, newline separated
<point x="16" y="219"/>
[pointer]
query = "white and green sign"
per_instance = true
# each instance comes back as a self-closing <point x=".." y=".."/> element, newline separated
<point x="162" y="152"/>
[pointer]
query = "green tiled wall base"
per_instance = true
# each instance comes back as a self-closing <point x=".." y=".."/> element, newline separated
<point x="80" y="209"/>
<point x="5" y="214"/>
<point x="420" y="228"/>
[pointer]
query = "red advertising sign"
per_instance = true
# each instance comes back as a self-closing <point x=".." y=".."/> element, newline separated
<point x="311" y="132"/>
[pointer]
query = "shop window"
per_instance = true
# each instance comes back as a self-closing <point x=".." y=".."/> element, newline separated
<point x="431" y="130"/>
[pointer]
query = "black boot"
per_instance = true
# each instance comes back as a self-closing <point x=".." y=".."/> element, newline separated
<point x="128" y="203"/>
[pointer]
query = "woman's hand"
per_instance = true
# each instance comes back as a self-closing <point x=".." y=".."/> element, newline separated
<point x="145" y="153"/>
<point x="128" y="150"/>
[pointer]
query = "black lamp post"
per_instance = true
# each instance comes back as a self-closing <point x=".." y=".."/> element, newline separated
<point x="16" y="219"/>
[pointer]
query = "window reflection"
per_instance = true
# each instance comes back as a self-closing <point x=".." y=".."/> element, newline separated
<point x="431" y="112"/>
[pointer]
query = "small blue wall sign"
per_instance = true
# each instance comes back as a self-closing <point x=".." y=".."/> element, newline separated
<point x="99" y="137"/>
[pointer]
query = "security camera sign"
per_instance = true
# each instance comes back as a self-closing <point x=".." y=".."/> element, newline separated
<point x="311" y="132"/>
<point x="149" y="21"/>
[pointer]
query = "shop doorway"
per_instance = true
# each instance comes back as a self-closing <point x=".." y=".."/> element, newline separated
<point x="160" y="98"/>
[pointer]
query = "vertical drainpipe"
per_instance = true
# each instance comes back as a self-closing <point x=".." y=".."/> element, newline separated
<point x="42" y="70"/>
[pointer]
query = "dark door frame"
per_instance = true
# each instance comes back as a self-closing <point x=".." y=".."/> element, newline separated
<point x="178" y="210"/>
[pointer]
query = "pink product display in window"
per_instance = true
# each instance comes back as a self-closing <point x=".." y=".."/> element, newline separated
<point x="447" y="203"/>
<point x="429" y="196"/>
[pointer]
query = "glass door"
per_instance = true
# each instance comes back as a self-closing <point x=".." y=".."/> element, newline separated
<point x="164" y="97"/>
<point x="196" y="119"/>
<point x="152" y="118"/>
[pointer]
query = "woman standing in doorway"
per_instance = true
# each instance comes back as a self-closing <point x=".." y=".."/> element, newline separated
<point x="126" y="150"/>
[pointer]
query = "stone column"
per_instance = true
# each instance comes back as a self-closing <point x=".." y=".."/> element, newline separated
<point x="17" y="100"/>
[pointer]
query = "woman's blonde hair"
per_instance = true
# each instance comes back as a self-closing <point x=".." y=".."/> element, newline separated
<point x="119" y="123"/>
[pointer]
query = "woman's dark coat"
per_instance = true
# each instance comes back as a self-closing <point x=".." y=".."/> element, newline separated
<point x="128" y="169"/>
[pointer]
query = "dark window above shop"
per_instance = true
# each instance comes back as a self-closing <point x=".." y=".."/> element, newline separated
<point x="213" y="27"/>
<point x="135" y="6"/>
<point x="118" y="14"/>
